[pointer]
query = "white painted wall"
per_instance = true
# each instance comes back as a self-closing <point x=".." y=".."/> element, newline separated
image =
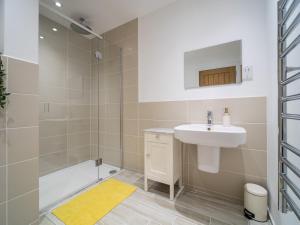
<point x="21" y="29"/>
<point x="272" y="115"/>
<point x="1" y="26"/>
<point x="186" y="25"/>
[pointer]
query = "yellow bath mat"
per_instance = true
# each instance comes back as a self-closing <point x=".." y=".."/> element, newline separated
<point x="89" y="207"/>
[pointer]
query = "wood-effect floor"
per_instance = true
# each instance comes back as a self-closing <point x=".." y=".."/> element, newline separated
<point x="154" y="208"/>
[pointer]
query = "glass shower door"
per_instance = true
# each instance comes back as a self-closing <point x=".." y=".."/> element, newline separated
<point x="68" y="115"/>
<point x="107" y="97"/>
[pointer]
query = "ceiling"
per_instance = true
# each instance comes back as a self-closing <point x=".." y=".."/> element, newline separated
<point x="104" y="15"/>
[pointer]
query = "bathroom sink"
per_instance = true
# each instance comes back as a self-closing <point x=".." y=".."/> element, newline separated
<point x="213" y="135"/>
<point x="209" y="139"/>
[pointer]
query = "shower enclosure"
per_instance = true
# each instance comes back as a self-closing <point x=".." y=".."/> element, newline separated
<point x="80" y="76"/>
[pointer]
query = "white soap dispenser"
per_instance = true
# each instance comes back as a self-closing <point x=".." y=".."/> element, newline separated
<point x="226" y="118"/>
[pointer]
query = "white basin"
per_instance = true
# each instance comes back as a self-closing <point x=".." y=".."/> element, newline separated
<point x="209" y="139"/>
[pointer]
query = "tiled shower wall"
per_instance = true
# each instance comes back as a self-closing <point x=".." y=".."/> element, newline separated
<point x="238" y="166"/>
<point x="65" y="97"/>
<point x="19" y="145"/>
<point x="124" y="37"/>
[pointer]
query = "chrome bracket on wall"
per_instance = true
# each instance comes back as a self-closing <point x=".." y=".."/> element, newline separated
<point x="98" y="162"/>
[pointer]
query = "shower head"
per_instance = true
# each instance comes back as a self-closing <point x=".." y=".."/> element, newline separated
<point x="80" y="30"/>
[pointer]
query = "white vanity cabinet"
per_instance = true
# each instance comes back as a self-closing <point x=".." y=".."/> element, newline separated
<point x="163" y="158"/>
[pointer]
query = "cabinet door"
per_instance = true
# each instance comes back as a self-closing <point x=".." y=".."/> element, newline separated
<point x="157" y="161"/>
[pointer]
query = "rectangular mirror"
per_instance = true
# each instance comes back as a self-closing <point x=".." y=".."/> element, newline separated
<point x="211" y="66"/>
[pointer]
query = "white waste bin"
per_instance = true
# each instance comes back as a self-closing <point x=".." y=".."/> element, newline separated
<point x="255" y="202"/>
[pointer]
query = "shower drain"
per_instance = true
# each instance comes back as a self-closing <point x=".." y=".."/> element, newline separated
<point x="112" y="171"/>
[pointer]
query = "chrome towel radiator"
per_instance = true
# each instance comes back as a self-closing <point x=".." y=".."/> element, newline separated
<point x="289" y="105"/>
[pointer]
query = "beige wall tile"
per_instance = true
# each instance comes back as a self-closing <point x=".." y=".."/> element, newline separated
<point x="113" y="36"/>
<point x="146" y="110"/>
<point x="79" y="140"/>
<point x="111" y="52"/>
<point x="224" y="183"/>
<point x="112" y="96"/>
<point x="55" y="111"/>
<point x="124" y="31"/>
<point x="197" y="110"/>
<point x="113" y="81"/>
<point x="79" y="67"/>
<point x="130" y="127"/>
<point x="130" y="94"/>
<point x="146" y="124"/>
<point x="141" y="163"/>
<point x="247" y="110"/>
<point x="130" y="111"/>
<point x="131" y="162"/>
<point x="185" y="173"/>
<point x="131" y="144"/>
<point x="23" y="144"/>
<point x="53" y="94"/>
<point x="22" y="111"/>
<point x="3" y="213"/>
<point x="79" y="97"/>
<point x="130" y="28"/>
<point x="2" y="184"/>
<point x="78" y="155"/>
<point x="80" y="125"/>
<point x="55" y="59"/>
<point x="130" y="61"/>
<point x="22" y="177"/>
<point x="111" y="156"/>
<point x="112" y="67"/>
<point x="21" y="73"/>
<point x="240" y="109"/>
<point x="24" y="210"/>
<point x="129" y="45"/>
<point x="169" y="124"/>
<point x="54" y="77"/>
<point x="191" y="151"/>
<point x="130" y="77"/>
<point x="82" y="56"/>
<point x="95" y="136"/>
<point x="141" y="147"/>
<point x="112" y="125"/>
<point x="52" y="128"/>
<point x="176" y="111"/>
<point x="111" y="140"/>
<point x="113" y="110"/>
<point x="2" y="147"/>
<point x="94" y="152"/>
<point x="2" y="118"/>
<point x="52" y="144"/>
<point x="244" y="161"/>
<point x="256" y="136"/>
<point x="52" y="162"/>
<point x="79" y="111"/>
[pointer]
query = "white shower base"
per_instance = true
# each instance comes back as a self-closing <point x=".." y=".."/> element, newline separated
<point x="56" y="186"/>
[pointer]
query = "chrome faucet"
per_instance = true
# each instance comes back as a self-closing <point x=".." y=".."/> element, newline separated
<point x="209" y="118"/>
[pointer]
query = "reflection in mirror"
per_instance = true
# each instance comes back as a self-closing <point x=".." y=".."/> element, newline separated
<point x="216" y="65"/>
